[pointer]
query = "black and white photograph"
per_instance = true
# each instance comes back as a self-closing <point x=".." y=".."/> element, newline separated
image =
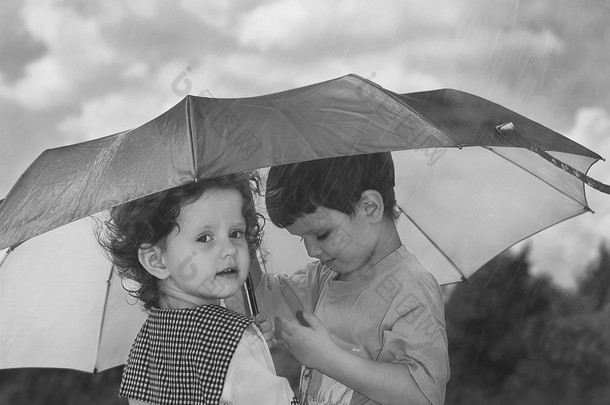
<point x="304" y="202"/>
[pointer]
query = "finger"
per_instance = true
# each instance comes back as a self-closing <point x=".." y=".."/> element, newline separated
<point x="301" y="318"/>
<point x="280" y="343"/>
<point x="313" y="321"/>
<point x="265" y="326"/>
<point x="286" y="328"/>
<point x="260" y="317"/>
<point x="271" y="343"/>
<point x="277" y="321"/>
<point x="268" y="335"/>
<point x="281" y="332"/>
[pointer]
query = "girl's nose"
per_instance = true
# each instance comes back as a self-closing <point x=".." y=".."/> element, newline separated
<point x="228" y="249"/>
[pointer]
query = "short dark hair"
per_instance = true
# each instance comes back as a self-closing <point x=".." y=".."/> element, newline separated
<point x="297" y="189"/>
<point x="149" y="220"/>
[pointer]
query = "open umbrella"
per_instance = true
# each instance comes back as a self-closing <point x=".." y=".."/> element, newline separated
<point x="473" y="178"/>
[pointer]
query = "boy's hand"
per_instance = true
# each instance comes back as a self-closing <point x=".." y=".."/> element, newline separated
<point x="310" y="344"/>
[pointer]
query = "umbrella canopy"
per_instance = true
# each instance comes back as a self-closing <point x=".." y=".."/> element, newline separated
<point x="473" y="178"/>
<point x="203" y="137"/>
<point x="62" y="305"/>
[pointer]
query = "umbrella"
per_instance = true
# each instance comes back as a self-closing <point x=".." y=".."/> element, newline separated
<point x="473" y="178"/>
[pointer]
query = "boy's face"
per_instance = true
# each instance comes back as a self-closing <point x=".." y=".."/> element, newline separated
<point x="344" y="243"/>
<point x="207" y="255"/>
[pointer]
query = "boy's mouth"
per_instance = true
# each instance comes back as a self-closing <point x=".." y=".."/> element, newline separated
<point x="328" y="263"/>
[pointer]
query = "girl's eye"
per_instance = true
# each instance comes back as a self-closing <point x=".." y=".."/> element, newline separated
<point x="204" y="238"/>
<point x="323" y="236"/>
<point x="237" y="234"/>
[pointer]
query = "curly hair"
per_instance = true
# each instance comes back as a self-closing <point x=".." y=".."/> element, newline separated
<point x="148" y="221"/>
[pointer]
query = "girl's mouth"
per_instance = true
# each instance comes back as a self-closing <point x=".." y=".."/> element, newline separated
<point x="228" y="272"/>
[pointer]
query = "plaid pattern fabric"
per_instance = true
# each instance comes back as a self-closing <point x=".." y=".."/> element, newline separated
<point x="182" y="356"/>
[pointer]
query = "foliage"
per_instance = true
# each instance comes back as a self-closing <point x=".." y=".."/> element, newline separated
<point x="515" y="338"/>
<point x="37" y="386"/>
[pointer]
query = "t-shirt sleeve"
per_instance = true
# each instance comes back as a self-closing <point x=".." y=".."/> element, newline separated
<point x="418" y="339"/>
<point x="285" y="294"/>
<point x="251" y="377"/>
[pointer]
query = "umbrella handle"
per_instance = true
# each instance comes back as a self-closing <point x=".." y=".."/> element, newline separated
<point x="252" y="306"/>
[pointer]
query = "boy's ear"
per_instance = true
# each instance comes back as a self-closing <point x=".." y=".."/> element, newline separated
<point x="372" y="202"/>
<point x="151" y="260"/>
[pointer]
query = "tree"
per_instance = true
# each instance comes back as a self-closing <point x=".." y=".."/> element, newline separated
<point x="487" y="318"/>
<point x="515" y="338"/>
<point x="38" y="386"/>
<point x="595" y="285"/>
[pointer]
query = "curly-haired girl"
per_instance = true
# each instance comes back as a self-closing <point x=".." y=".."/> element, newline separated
<point x="187" y="248"/>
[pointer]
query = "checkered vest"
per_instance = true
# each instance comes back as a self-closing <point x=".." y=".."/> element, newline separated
<point x="182" y="356"/>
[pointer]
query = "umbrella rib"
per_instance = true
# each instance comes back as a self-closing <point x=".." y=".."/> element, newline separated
<point x="99" y="338"/>
<point x="8" y="251"/>
<point x="189" y="128"/>
<point x="396" y="98"/>
<point x="434" y="244"/>
<point x="491" y="149"/>
<point x="505" y="129"/>
<point x="303" y="138"/>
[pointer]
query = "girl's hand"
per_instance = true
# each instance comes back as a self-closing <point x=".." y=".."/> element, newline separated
<point x="309" y="344"/>
<point x="266" y="327"/>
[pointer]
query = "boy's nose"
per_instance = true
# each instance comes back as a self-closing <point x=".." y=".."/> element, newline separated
<point x="313" y="250"/>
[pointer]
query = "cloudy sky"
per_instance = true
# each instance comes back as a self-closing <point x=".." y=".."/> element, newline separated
<point x="76" y="70"/>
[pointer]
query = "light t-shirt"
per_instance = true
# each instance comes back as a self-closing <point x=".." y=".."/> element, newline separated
<point x="392" y="313"/>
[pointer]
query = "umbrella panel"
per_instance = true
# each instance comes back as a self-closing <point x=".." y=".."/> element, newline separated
<point x="53" y="291"/>
<point x="472" y="204"/>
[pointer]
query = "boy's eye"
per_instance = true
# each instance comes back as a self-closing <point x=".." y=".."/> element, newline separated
<point x="323" y="236"/>
<point x="204" y="238"/>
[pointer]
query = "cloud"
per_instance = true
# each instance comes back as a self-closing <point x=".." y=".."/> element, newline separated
<point x="566" y="249"/>
<point x="75" y="49"/>
<point x="17" y="46"/>
<point x="126" y="108"/>
<point x="43" y="84"/>
<point x="293" y="25"/>
<point x="592" y="127"/>
<point x="218" y="14"/>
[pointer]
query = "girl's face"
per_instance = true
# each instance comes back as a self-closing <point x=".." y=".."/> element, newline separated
<point x="206" y="256"/>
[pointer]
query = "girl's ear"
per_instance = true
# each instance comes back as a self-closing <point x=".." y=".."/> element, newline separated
<point x="150" y="258"/>
<point x="372" y="202"/>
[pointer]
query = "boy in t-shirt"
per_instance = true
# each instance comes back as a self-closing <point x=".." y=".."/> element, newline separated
<point x="365" y="320"/>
